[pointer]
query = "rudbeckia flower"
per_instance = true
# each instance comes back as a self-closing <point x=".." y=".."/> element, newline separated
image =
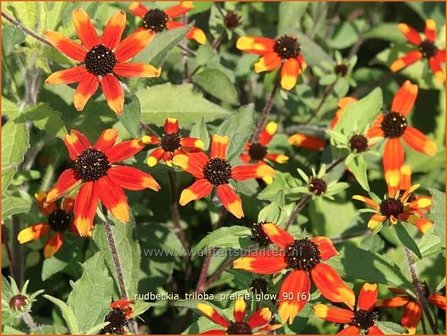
<point x="426" y="48"/>
<point x="283" y="53"/>
<point x="103" y="60"/>
<point x="216" y="171"/>
<point x="156" y="20"/>
<point x="394" y="126"/>
<point x="59" y="221"/>
<point x="301" y="140"/>
<point x="398" y="207"/>
<point x="119" y="315"/>
<point x="99" y="178"/>
<point x="257" y="323"/>
<point x="361" y="320"/>
<point x="303" y="259"/>
<point x="171" y="143"/>
<point x="413" y="309"/>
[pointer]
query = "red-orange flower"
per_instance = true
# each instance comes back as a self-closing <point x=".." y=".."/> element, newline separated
<point x="304" y="258"/>
<point x="283" y="53"/>
<point x="59" y="220"/>
<point x="394" y="126"/>
<point x="257" y="323"/>
<point x="99" y="178"/>
<point x="361" y="320"/>
<point x="103" y="60"/>
<point x="301" y="140"/>
<point x="425" y="48"/>
<point x="413" y="309"/>
<point x="118" y="317"/>
<point x="216" y="171"/>
<point x="170" y="144"/>
<point x="156" y="20"/>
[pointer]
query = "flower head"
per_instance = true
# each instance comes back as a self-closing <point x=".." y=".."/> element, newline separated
<point x="171" y="143"/>
<point x="216" y="171"/>
<point x="283" y="53"/>
<point x="59" y="221"/>
<point x="426" y="48"/>
<point x="303" y="258"/>
<point x="361" y="320"/>
<point x="102" y="60"/>
<point x="118" y="317"/>
<point x="258" y="322"/>
<point x="99" y="178"/>
<point x="156" y="20"/>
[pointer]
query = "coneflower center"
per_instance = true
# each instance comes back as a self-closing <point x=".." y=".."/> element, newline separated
<point x="155" y="20"/>
<point x="258" y="235"/>
<point x="391" y="207"/>
<point x="239" y="328"/>
<point x="259" y="285"/>
<point x="358" y="143"/>
<point x="341" y="69"/>
<point x="100" y="60"/>
<point x="257" y="152"/>
<point x="428" y="48"/>
<point x="18" y="302"/>
<point x="232" y="20"/>
<point x="91" y="165"/>
<point x="59" y="220"/>
<point x="217" y="171"/>
<point x="394" y="125"/>
<point x="317" y="186"/>
<point x="364" y="319"/>
<point x="302" y="255"/>
<point x="118" y="321"/>
<point x="287" y="47"/>
<point x="170" y="142"/>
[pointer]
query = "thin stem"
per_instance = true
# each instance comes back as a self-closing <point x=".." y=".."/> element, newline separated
<point x="12" y="269"/>
<point x="218" y="273"/>
<point x="185" y="56"/>
<point x="200" y="288"/>
<point x="148" y="128"/>
<point x="25" y="30"/>
<point x="29" y="321"/>
<point x="187" y="50"/>
<point x="218" y="41"/>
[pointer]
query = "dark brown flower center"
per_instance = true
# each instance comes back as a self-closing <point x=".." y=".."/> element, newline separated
<point x="258" y="235"/>
<point x="239" y="328"/>
<point x="341" y="69"/>
<point x="287" y="47"/>
<point x="394" y="125"/>
<point x="259" y="286"/>
<point x="358" y="143"/>
<point x="232" y="20"/>
<point x="18" y="302"/>
<point x="257" y="152"/>
<point x="391" y="207"/>
<point x="118" y="321"/>
<point x="428" y="49"/>
<point x="91" y="165"/>
<point x="364" y="319"/>
<point x="217" y="171"/>
<point x="155" y="20"/>
<point x="100" y="60"/>
<point x="425" y="289"/>
<point x="317" y="186"/>
<point x="302" y="255"/>
<point x="170" y="142"/>
<point x="59" y="220"/>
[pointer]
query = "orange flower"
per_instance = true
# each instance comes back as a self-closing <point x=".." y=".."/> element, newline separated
<point x="425" y="48"/>
<point x="216" y="171"/>
<point x="121" y="312"/>
<point x="394" y="126"/>
<point x="283" y="53"/>
<point x="399" y="207"/>
<point x="361" y="320"/>
<point x="304" y="258"/>
<point x="301" y="140"/>
<point x="257" y="323"/>
<point x="59" y="220"/>
<point x="156" y="20"/>
<point x="413" y="309"/>
<point x="103" y="60"/>
<point x="171" y="143"/>
<point x="99" y="178"/>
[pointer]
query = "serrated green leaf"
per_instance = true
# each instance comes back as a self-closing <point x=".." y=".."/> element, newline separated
<point x="357" y="166"/>
<point x="290" y="14"/>
<point x="11" y="36"/>
<point x="131" y="117"/>
<point x="217" y="84"/>
<point x="437" y="214"/>
<point x="406" y="239"/>
<point x="46" y="119"/>
<point x="67" y="314"/>
<point x="391" y="328"/>
<point x="12" y="205"/>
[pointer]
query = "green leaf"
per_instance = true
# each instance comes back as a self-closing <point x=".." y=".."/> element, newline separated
<point x="385" y="31"/>
<point x="200" y="131"/>
<point x="217" y="84"/>
<point x="357" y="166"/>
<point x="238" y="128"/>
<point x="347" y="34"/>
<point x="68" y="255"/>
<point x="95" y="330"/>
<point x="128" y="251"/>
<point x="7" y="291"/>
<point x="281" y="182"/>
<point x="67" y="313"/>
<point x="406" y="239"/>
<point x="437" y="213"/>
<point x="290" y="14"/>
<point x="176" y="101"/>
<point x="312" y="52"/>
<point x="46" y="119"/>
<point x="91" y="294"/>
<point x="391" y="328"/>
<point x="131" y="117"/>
<point x="11" y="36"/>
<point x="12" y="205"/>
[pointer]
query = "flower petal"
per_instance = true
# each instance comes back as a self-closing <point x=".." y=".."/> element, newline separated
<point x="289" y="73"/>
<point x="375" y="220"/>
<point x="182" y="8"/>
<point x="155" y="156"/>
<point x="430" y="30"/>
<point x="230" y="200"/>
<point x="212" y="314"/>
<point x="278" y="158"/>
<point x="438" y="300"/>
<point x="113" y="30"/>
<point x="240" y="308"/>
<point x="435" y="66"/>
<point x="255" y="44"/>
<point x="219" y="146"/>
<point x="419" y="142"/>
<point x="53" y="245"/>
<point x="33" y="232"/>
<point x="333" y="314"/>
<point x="106" y="140"/>
<point x="331" y="285"/>
<point x="422" y="224"/>
<point x="199" y="189"/>
<point x="132" y="178"/>
<point x="368" y="296"/>
<point x="278" y="235"/>
<point x="85" y="29"/>
<point x="301" y="140"/>
<point x="253" y="171"/>
<point x="136" y="70"/>
<point x="397" y="301"/>
<point x="374" y="330"/>
<point x="191" y="144"/>
<point x="85" y="208"/>
<point x="351" y="330"/>
<point x="68" y="76"/>
<point x="261" y="262"/>
<point x="214" y="332"/>
<point x="138" y="9"/>
<point x="124" y="150"/>
<point x="325" y="247"/>
<point x="132" y="45"/>
<point x="259" y="318"/>
<point x="408" y="59"/>
<point x="193" y="163"/>
<point x="404" y="99"/>
<point x="68" y="204"/>
<point x="113" y="198"/>
<point x="171" y="126"/>
<point x="410" y="33"/>
<point x="421" y="202"/>
<point x="393" y="159"/>
<point x="66" y="182"/>
<point x="86" y="88"/>
<point x="268" y="62"/>
<point x="197" y="35"/>
<point x="367" y="200"/>
<point x="411" y="317"/>
<point x="66" y="46"/>
<point x="113" y="92"/>
<point x="291" y="302"/>
<point x="267" y="133"/>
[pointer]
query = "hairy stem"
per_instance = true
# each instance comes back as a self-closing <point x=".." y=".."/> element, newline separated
<point x="200" y="288"/>
<point x="29" y="321"/>
<point x="25" y="30"/>
<point x="218" y="273"/>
